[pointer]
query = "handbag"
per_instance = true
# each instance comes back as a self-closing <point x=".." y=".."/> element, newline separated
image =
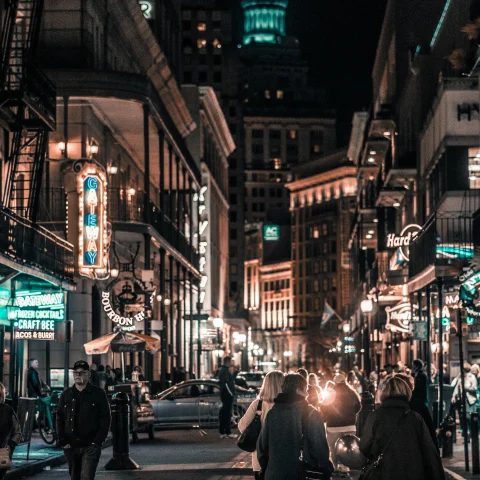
<point x="248" y="439"/>
<point x="306" y="471"/>
<point x="5" y="460"/>
<point x="370" y="469"/>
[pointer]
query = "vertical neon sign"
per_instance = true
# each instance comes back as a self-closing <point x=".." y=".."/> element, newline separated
<point x="93" y="219"/>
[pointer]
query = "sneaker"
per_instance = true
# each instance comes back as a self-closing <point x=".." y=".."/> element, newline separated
<point x="232" y="435"/>
<point x="222" y="435"/>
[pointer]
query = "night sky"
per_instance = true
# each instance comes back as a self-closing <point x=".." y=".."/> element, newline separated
<point x="339" y="39"/>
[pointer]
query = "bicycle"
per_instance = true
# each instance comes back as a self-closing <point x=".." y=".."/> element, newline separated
<point x="46" y="417"/>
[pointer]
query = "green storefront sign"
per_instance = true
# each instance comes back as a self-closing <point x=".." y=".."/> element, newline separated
<point x="271" y="233"/>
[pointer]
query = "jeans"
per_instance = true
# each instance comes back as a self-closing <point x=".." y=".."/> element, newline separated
<point x="225" y="416"/>
<point x="83" y="461"/>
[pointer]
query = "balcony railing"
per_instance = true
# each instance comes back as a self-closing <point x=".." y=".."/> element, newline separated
<point x="442" y="241"/>
<point x="122" y="208"/>
<point x="34" y="246"/>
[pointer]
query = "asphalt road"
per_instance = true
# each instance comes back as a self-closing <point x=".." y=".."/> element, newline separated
<point x="177" y="455"/>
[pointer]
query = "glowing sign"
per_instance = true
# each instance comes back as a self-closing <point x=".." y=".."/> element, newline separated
<point x="127" y="323"/>
<point x="35" y="314"/>
<point x="92" y="242"/>
<point x="403" y="241"/>
<point x="203" y="245"/>
<point x="399" y="317"/>
<point x="147" y="8"/>
<point x="271" y="233"/>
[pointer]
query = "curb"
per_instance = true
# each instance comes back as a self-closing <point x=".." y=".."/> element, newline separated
<point x="452" y="475"/>
<point x="33" y="468"/>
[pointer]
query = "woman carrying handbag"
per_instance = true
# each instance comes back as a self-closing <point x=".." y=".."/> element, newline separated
<point x="396" y="440"/>
<point x="271" y="387"/>
<point x="10" y="433"/>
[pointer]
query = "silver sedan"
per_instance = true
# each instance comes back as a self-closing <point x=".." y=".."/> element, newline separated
<point x="196" y="403"/>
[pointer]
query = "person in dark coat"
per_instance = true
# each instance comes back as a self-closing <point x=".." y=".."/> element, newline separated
<point x="34" y="386"/>
<point x="280" y="441"/>
<point x="421" y="382"/>
<point x="339" y="410"/>
<point x="10" y="432"/>
<point x="416" y="405"/>
<point x="227" y="394"/>
<point x="411" y="454"/>
<point x="314" y="392"/>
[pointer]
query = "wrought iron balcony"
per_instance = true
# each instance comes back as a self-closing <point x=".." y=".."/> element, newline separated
<point x="443" y="241"/>
<point x="122" y="208"/>
<point x="33" y="246"/>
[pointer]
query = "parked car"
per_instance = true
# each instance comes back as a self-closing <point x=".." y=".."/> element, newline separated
<point x="196" y="403"/>
<point x="253" y="379"/>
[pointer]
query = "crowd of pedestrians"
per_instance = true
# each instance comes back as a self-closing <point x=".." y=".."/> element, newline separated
<point x="303" y="416"/>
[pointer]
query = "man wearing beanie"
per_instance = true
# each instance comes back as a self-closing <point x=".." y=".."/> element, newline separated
<point x="83" y="422"/>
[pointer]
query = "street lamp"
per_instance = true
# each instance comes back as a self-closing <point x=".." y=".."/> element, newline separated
<point x="218" y="324"/>
<point x="366" y="306"/>
<point x="287" y="354"/>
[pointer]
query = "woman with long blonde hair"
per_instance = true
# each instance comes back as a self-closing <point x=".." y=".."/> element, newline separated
<point x="271" y="387"/>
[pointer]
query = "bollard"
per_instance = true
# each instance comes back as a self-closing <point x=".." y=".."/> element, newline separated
<point x="447" y="431"/>
<point x="368" y="406"/>
<point x="120" y="431"/>
<point x="475" y="451"/>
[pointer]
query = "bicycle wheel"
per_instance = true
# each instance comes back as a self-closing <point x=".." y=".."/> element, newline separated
<point x="48" y="434"/>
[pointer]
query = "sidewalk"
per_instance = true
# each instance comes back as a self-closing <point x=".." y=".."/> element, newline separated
<point x="42" y="457"/>
<point x="455" y="466"/>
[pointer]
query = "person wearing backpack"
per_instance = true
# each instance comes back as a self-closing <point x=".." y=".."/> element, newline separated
<point x="400" y="437"/>
<point x="271" y="387"/>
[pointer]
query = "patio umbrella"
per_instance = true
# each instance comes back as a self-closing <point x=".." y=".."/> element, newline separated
<point x="121" y="342"/>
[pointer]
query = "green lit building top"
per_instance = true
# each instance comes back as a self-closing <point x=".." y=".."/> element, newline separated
<point x="264" y="21"/>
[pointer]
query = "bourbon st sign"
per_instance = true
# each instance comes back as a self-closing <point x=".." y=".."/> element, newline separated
<point x="403" y="241"/>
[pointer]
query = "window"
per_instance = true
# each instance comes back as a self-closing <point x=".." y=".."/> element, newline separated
<point x="257" y="148"/>
<point x="325" y="285"/>
<point x="325" y="266"/>
<point x="315" y="232"/>
<point x="187" y="77"/>
<point x="316" y="149"/>
<point x="293" y="134"/>
<point x="324" y="229"/>
<point x="257" y="133"/>
<point x="187" y="15"/>
<point x="267" y="94"/>
<point x="232" y="111"/>
<point x="233" y="269"/>
<point x="201" y="43"/>
<point x="265" y="287"/>
<point x="262" y="192"/>
<point x="186" y="25"/>
<point x="474" y="167"/>
<point x="333" y="266"/>
<point x="232" y="163"/>
<point x="316" y="286"/>
<point x="217" y="60"/>
<point x="233" y="287"/>
<point x="279" y="192"/>
<point x="202" y="59"/>
<point x="202" y="15"/>
<point x="202" y="27"/>
<point x="233" y="129"/>
<point x="233" y="199"/>
<point x="233" y="181"/>
<point x="202" y="77"/>
<point x="334" y="283"/>
<point x="233" y="216"/>
<point x="255" y="192"/>
<point x="216" y="43"/>
<point x="279" y="94"/>
<point x="233" y="234"/>
<point x="277" y="163"/>
<point x="275" y="134"/>
<point x="217" y="77"/>
<point x="254" y="207"/>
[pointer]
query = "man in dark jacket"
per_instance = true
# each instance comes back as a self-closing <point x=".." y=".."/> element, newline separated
<point x="280" y="442"/>
<point x="227" y="394"/>
<point x="421" y="382"/>
<point x="33" y="380"/>
<point x="339" y="411"/>
<point x="83" y="422"/>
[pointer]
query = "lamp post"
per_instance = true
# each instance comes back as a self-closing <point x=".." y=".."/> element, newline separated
<point x="218" y="324"/>
<point x="366" y="306"/>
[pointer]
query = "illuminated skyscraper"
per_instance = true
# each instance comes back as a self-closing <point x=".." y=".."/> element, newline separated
<point x="264" y="21"/>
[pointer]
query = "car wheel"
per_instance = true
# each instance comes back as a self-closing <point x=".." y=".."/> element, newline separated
<point x="237" y="414"/>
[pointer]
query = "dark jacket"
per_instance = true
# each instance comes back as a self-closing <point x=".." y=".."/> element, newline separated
<point x="411" y="455"/>
<point x="94" y="417"/>
<point x="33" y="383"/>
<point x="280" y="441"/>
<point x="421" y="386"/>
<point x="341" y="406"/>
<point x="227" y="383"/>
<point x="416" y="405"/>
<point x="10" y="432"/>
